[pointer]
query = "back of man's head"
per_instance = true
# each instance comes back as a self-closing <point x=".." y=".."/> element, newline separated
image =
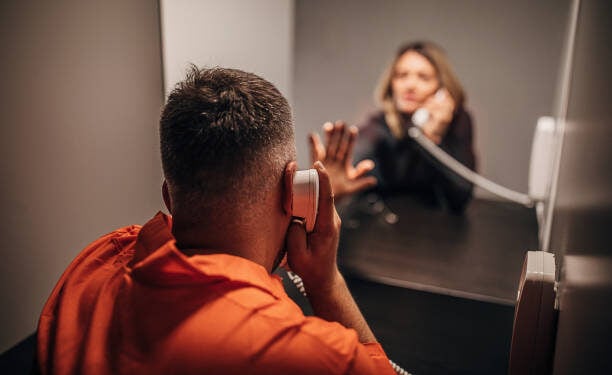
<point x="226" y="137"/>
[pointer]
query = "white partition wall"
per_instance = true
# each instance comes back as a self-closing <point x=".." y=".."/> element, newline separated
<point x="255" y="36"/>
<point x="582" y="208"/>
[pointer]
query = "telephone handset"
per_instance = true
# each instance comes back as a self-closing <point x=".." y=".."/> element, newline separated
<point x="421" y="115"/>
<point x="306" y="197"/>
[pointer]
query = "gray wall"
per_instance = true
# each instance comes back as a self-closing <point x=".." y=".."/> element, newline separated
<point x="507" y="55"/>
<point x="582" y="215"/>
<point x="82" y="89"/>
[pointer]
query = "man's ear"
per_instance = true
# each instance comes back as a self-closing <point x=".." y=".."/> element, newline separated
<point x="166" y="195"/>
<point x="287" y="196"/>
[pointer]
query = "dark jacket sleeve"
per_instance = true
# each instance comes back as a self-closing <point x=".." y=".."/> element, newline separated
<point x="368" y="146"/>
<point x="458" y="142"/>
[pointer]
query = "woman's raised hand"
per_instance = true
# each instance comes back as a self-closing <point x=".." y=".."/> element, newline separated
<point x="337" y="156"/>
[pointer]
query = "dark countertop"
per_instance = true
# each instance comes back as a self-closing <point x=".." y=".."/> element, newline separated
<point x="477" y="255"/>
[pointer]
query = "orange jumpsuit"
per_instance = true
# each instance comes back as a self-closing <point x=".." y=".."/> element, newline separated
<point x="132" y="303"/>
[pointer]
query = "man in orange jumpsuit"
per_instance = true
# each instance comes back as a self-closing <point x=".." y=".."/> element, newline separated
<point x="193" y="292"/>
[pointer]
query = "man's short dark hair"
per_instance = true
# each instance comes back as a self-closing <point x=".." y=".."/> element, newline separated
<point x="224" y="132"/>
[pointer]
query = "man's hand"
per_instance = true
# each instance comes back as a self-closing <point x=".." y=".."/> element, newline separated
<point x="441" y="107"/>
<point x="313" y="255"/>
<point x="337" y="156"/>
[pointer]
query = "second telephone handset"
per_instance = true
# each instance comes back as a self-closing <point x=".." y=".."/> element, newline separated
<point x="422" y="115"/>
<point x="306" y="197"/>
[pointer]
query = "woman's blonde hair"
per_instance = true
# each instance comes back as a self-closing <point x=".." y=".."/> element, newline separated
<point x="447" y="78"/>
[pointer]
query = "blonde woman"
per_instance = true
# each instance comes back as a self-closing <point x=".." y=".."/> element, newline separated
<point x="390" y="162"/>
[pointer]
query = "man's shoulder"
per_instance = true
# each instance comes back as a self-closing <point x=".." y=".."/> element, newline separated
<point x="118" y="238"/>
<point x="128" y="231"/>
<point x="113" y="248"/>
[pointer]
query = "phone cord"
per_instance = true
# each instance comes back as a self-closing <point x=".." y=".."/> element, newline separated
<point x="514" y="196"/>
<point x="297" y="281"/>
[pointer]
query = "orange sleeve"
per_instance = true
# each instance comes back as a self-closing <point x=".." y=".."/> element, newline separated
<point x="350" y="357"/>
<point x="371" y="355"/>
<point x="316" y="346"/>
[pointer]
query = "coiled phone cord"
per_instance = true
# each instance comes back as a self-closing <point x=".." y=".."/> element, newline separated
<point x="297" y="281"/>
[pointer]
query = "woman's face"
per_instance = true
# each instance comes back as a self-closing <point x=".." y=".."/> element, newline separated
<point x="414" y="80"/>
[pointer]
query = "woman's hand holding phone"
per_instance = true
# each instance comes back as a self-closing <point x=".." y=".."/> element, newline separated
<point x="441" y="107"/>
<point x="337" y="156"/>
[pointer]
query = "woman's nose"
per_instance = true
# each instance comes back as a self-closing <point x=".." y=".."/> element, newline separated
<point x="409" y="83"/>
